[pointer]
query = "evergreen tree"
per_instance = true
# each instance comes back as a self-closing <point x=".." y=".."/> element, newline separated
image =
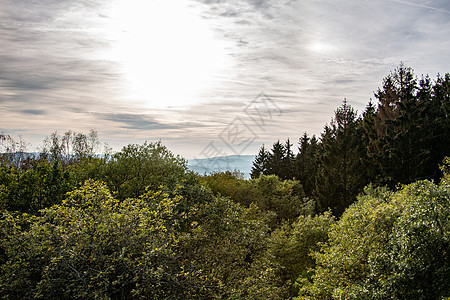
<point x="287" y="171"/>
<point x="412" y="135"/>
<point x="260" y="164"/>
<point x="441" y="123"/>
<point x="340" y="175"/>
<point x="276" y="158"/>
<point x="370" y="143"/>
<point x="306" y="163"/>
<point x="278" y="161"/>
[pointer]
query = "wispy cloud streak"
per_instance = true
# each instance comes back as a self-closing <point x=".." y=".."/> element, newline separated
<point x="308" y="55"/>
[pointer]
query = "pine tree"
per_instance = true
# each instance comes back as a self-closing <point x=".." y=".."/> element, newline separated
<point x="306" y="163"/>
<point x="276" y="158"/>
<point x="287" y="171"/>
<point x="440" y="108"/>
<point x="260" y="163"/>
<point x="370" y="152"/>
<point x="410" y="125"/>
<point x="340" y="174"/>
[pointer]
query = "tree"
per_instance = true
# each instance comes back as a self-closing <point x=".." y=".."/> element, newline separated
<point x="369" y="153"/>
<point x="260" y="164"/>
<point x="41" y="185"/>
<point x="306" y="163"/>
<point x="411" y="125"/>
<point x="277" y="156"/>
<point x="94" y="246"/>
<point x="229" y="184"/>
<point x="387" y="246"/>
<point x="13" y="151"/>
<point x="285" y="198"/>
<point x="440" y="132"/>
<point x="340" y="174"/>
<point x="289" y="251"/>
<point x="71" y="147"/>
<point x="139" y="167"/>
<point x="287" y="171"/>
<point x="224" y="241"/>
<point x="278" y="161"/>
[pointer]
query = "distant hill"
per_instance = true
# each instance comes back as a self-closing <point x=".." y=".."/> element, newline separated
<point x="241" y="163"/>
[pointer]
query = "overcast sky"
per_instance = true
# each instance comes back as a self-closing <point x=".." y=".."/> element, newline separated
<point x="206" y="77"/>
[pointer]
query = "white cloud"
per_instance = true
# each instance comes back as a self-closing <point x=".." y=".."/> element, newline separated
<point x="308" y="55"/>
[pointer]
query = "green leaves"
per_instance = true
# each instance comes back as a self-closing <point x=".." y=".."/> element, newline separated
<point x="139" y="167"/>
<point x="285" y="198"/>
<point x="165" y="233"/>
<point x="387" y="245"/>
<point x="92" y="245"/>
<point x="29" y="190"/>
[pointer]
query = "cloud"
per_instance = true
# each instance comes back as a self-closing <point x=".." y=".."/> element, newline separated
<point x="441" y="6"/>
<point x="312" y="54"/>
<point x="134" y="121"/>
<point x="33" y="111"/>
<point x="307" y="55"/>
<point x="310" y="39"/>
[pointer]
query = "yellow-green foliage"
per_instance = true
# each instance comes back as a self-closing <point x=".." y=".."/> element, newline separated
<point x="284" y="198"/>
<point x="288" y="255"/>
<point x="28" y="190"/>
<point x="445" y="168"/>
<point x="231" y="185"/>
<point x="93" y="246"/>
<point x="160" y="234"/>
<point x="387" y="246"/>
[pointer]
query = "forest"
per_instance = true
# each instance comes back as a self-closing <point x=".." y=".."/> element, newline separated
<point x="359" y="212"/>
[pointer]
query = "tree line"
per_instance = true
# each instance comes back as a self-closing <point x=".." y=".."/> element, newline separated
<point x="401" y="138"/>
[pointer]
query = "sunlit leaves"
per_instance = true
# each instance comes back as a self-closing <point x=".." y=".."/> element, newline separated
<point x="387" y="245"/>
<point x="92" y="245"/>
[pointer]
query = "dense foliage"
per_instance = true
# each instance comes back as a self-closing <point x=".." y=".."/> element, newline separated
<point x="93" y="246"/>
<point x="387" y="246"/>
<point x="137" y="224"/>
<point x="401" y="139"/>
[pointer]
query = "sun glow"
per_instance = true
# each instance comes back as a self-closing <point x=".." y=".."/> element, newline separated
<point x="167" y="53"/>
<point x="322" y="47"/>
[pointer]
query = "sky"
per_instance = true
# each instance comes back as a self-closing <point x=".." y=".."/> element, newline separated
<point x="205" y="77"/>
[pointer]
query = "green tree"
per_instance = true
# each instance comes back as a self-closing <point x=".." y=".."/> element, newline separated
<point x="139" y="167"/>
<point x="277" y="156"/>
<point x="41" y="185"/>
<point x="289" y="249"/>
<point x="288" y="166"/>
<point x="229" y="184"/>
<point x="412" y="124"/>
<point x="370" y="144"/>
<point x="224" y="241"/>
<point x="278" y="161"/>
<point x="340" y="173"/>
<point x="440" y="129"/>
<point x="306" y="163"/>
<point x="94" y="246"/>
<point x="260" y="164"/>
<point x="285" y="198"/>
<point x="282" y="199"/>
<point x="387" y="246"/>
